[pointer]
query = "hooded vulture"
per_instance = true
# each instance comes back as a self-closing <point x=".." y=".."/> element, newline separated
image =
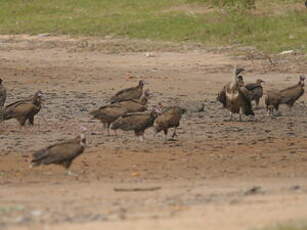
<point x="24" y="110"/>
<point x="255" y="91"/>
<point x="291" y="94"/>
<point x="169" y="118"/>
<point x="129" y="93"/>
<point x="237" y="98"/>
<point x="61" y="153"/>
<point x="137" y="122"/>
<point x="108" y="114"/>
<point x="136" y="105"/>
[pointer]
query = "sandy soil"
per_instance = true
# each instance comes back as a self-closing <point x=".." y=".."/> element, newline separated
<point x="217" y="175"/>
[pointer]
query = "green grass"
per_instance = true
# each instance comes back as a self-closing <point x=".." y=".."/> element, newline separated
<point x="294" y="226"/>
<point x="161" y="20"/>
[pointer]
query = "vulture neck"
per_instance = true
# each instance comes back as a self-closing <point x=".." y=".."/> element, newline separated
<point x="82" y="139"/>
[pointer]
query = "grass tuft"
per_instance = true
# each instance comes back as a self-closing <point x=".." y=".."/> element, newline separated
<point x="272" y="27"/>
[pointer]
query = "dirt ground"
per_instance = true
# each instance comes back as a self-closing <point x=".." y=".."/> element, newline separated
<point x="217" y="174"/>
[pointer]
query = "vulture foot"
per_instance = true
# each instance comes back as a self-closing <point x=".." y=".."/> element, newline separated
<point x="70" y="173"/>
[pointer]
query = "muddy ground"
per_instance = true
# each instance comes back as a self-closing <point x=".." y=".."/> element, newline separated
<point x="217" y="174"/>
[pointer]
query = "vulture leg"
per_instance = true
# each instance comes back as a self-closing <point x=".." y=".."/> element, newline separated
<point x="165" y="133"/>
<point x="230" y="119"/>
<point x="174" y="133"/>
<point x="257" y="102"/>
<point x="22" y="120"/>
<point x="70" y="173"/>
<point x="67" y="164"/>
<point x="140" y="134"/>
<point x="31" y="120"/>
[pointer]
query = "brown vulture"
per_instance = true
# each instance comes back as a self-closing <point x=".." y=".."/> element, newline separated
<point x="272" y="100"/>
<point x="288" y="96"/>
<point x="129" y="93"/>
<point x="24" y="110"/>
<point x="61" y="153"/>
<point x="291" y="94"/>
<point x="169" y="118"/>
<point x="135" y="105"/>
<point x="138" y="122"/>
<point x="108" y="114"/>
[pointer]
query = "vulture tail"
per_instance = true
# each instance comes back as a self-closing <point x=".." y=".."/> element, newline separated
<point x="38" y="157"/>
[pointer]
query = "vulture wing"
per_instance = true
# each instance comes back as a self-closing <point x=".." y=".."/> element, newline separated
<point x="2" y="95"/>
<point x="20" y="109"/>
<point x="133" y="121"/>
<point x="252" y="86"/>
<point x="127" y="94"/>
<point x="246" y="102"/>
<point x="291" y="94"/>
<point x="57" y="153"/>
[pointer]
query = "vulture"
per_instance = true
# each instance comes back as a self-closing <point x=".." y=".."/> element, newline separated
<point x="272" y="101"/>
<point x="135" y="105"/>
<point x="2" y="99"/>
<point x="221" y="97"/>
<point x="169" y="118"/>
<point x="61" y="153"/>
<point x="108" y="114"/>
<point x="288" y="96"/>
<point x="129" y="93"/>
<point x="24" y="110"/>
<point x="291" y="94"/>
<point x="237" y="98"/>
<point x="255" y="91"/>
<point x="138" y="122"/>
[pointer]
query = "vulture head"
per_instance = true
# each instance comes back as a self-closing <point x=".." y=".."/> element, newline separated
<point x="82" y="136"/>
<point x="238" y="71"/>
<point x="302" y="79"/>
<point x="259" y="81"/>
<point x="37" y="98"/>
<point x="141" y="83"/>
<point x="240" y="80"/>
<point x="0" y="81"/>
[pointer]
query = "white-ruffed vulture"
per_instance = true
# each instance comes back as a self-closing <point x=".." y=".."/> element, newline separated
<point x="237" y="98"/>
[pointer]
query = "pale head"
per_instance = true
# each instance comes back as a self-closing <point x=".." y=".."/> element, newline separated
<point x="260" y="81"/>
<point x="82" y="135"/>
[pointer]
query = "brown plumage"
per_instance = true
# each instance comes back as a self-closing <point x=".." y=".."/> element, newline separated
<point x="61" y="153"/>
<point x="255" y="91"/>
<point x="24" y="110"/>
<point x="286" y="96"/>
<point x="237" y="98"/>
<point x="129" y="93"/>
<point x="169" y="118"/>
<point x="291" y="94"/>
<point x="2" y="99"/>
<point x="138" y="122"/>
<point x="135" y="105"/>
<point x="221" y="97"/>
<point x="108" y="114"/>
<point x="272" y="101"/>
